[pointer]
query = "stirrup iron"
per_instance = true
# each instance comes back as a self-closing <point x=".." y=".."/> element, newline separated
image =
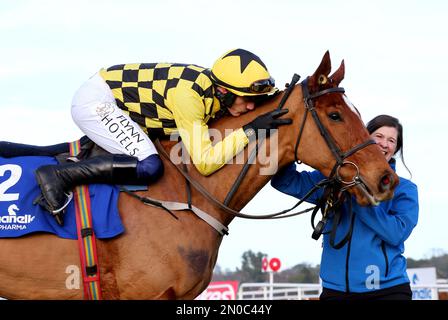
<point x="69" y="198"/>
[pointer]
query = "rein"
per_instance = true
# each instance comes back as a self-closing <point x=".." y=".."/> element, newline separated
<point x="218" y="203"/>
<point x="334" y="186"/>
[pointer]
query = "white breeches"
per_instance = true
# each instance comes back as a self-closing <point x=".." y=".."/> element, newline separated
<point x="96" y="113"/>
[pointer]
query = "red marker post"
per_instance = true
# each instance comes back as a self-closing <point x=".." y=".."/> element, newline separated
<point x="270" y="265"/>
<point x="275" y="264"/>
<point x="264" y="264"/>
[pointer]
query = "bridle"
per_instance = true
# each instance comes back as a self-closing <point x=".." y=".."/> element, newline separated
<point x="334" y="186"/>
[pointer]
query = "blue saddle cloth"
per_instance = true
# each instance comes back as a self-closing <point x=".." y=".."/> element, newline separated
<point x="18" y="215"/>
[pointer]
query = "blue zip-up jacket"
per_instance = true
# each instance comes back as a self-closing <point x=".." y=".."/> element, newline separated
<point x="373" y="258"/>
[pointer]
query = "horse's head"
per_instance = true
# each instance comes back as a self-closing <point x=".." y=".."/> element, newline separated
<point x="334" y="139"/>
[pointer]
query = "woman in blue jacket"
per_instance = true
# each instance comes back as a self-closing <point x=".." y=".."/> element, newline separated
<point x="371" y="264"/>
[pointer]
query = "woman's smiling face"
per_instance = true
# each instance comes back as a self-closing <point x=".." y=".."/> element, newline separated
<point x="386" y="139"/>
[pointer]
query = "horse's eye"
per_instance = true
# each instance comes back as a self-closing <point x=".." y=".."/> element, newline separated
<point x="335" y="116"/>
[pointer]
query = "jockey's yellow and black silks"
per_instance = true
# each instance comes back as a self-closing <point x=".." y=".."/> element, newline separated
<point x="167" y="98"/>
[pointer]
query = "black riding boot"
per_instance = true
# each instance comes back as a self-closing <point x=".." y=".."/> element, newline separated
<point x="56" y="181"/>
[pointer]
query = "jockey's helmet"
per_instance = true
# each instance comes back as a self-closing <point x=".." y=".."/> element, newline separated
<point x="242" y="73"/>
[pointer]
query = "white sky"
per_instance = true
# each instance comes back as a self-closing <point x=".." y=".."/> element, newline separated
<point x="395" y="54"/>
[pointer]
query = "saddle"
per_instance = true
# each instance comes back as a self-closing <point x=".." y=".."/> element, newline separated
<point x="61" y="152"/>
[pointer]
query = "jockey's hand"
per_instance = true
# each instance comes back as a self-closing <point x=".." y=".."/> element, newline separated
<point x="267" y="122"/>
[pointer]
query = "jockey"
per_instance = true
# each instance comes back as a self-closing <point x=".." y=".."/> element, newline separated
<point x="121" y="107"/>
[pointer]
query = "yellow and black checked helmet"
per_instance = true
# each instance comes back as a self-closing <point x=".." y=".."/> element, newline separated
<point x="242" y="73"/>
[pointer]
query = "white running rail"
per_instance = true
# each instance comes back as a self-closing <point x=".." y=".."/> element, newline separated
<point x="311" y="291"/>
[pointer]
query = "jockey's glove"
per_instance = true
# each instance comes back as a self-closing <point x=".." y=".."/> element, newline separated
<point x="266" y="121"/>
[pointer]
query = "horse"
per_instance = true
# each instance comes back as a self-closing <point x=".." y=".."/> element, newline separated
<point x="159" y="257"/>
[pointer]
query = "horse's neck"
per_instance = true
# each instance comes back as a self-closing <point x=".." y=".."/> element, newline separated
<point x="273" y="153"/>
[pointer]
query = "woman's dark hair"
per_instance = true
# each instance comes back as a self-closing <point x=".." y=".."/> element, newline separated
<point x="384" y="120"/>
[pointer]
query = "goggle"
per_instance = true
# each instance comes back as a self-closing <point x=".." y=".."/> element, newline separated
<point x="262" y="86"/>
<point x="258" y="87"/>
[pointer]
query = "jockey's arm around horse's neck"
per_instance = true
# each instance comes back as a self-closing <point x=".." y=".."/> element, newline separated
<point x="274" y="153"/>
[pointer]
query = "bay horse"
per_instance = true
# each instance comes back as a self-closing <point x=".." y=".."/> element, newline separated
<point x="159" y="257"/>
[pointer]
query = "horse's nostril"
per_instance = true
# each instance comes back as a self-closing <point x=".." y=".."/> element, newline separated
<point x="386" y="182"/>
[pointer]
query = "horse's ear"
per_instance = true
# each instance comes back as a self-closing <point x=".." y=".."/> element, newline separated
<point x="338" y="75"/>
<point x="320" y="77"/>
